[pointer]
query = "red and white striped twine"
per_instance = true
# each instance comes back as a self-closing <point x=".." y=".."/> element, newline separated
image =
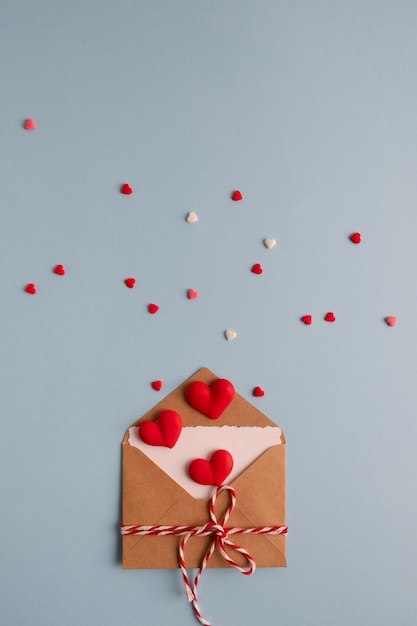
<point x="221" y="539"/>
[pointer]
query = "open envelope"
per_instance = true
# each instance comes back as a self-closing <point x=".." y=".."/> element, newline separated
<point x="152" y="497"/>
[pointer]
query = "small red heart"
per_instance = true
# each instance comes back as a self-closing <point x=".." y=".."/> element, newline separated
<point x="192" y="294"/>
<point x="391" y="320"/>
<point x="164" y="432"/>
<point x="307" y="319"/>
<point x="257" y="268"/>
<point x="356" y="238"/>
<point x="29" y="124"/>
<point x="153" y="308"/>
<point x="330" y="317"/>
<point x="237" y="195"/>
<point x="130" y="282"/>
<point x="212" y="472"/>
<point x="60" y="270"/>
<point x="157" y="385"/>
<point x="258" y="392"/>
<point x="210" y="400"/>
<point x="126" y="189"/>
<point x="30" y="288"/>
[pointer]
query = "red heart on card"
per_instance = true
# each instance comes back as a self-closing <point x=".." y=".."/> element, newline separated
<point x="210" y="400"/>
<point x="257" y="268"/>
<point x="307" y="319"/>
<point x="237" y="195"/>
<point x="59" y="269"/>
<point x="153" y="308"/>
<point x="192" y="294"/>
<point x="31" y="288"/>
<point x="258" y="392"/>
<point x="214" y="471"/>
<point x="126" y="189"/>
<point x="157" y="385"/>
<point x="356" y="238"/>
<point x="330" y="317"/>
<point x="164" y="432"/>
<point x="130" y="282"/>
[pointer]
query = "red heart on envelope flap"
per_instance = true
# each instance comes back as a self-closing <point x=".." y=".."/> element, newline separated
<point x="164" y="432"/>
<point x="210" y="400"/>
<point x="214" y="471"/>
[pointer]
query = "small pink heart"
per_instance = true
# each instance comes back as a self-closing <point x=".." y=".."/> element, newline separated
<point x="258" y="392"/>
<point x="257" y="268"/>
<point x="31" y="288"/>
<point x="391" y="320"/>
<point x="126" y="189"/>
<point x="157" y="385"/>
<point x="60" y="270"/>
<point x="153" y="308"/>
<point x="307" y="319"/>
<point x="237" y="195"/>
<point x="330" y="317"/>
<point x="29" y="124"/>
<point x="192" y="294"/>
<point x="130" y="282"/>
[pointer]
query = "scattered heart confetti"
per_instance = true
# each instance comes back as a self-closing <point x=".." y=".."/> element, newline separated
<point x="31" y="288"/>
<point x="157" y="385"/>
<point x="126" y="189"/>
<point x="210" y="400"/>
<point x="164" y="432"/>
<point x="258" y="392"/>
<point x="237" y="195"/>
<point x="391" y="320"/>
<point x="29" y="124"/>
<point x="257" y="268"/>
<point x="130" y="282"/>
<point x="153" y="308"/>
<point x="307" y="319"/>
<point x="214" y="471"/>
<point x="330" y="317"/>
<point x="191" y="217"/>
<point x="60" y="270"/>
<point x="269" y="243"/>
<point x="356" y="238"/>
<point x="192" y="294"/>
<point x="230" y="335"/>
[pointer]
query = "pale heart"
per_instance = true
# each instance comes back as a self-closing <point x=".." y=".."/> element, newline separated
<point x="269" y="243"/>
<point x="230" y="334"/>
<point x="192" y="217"/>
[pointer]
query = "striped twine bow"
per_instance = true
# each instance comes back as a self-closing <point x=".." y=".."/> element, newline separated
<point x="221" y="539"/>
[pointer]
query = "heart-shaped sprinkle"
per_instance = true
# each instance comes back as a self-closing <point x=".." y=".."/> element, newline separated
<point x="214" y="471"/>
<point x="130" y="282"/>
<point x="31" y="288"/>
<point x="153" y="308"/>
<point x="258" y="392"/>
<point x="237" y="195"/>
<point x="157" y="385"/>
<point x="356" y="238"/>
<point x="210" y="400"/>
<point x="269" y="243"/>
<point x="307" y="319"/>
<point x="126" y="189"/>
<point x="230" y="335"/>
<point x="330" y="317"/>
<point x="191" y="217"/>
<point x="29" y="124"/>
<point x="192" y="294"/>
<point x="164" y="432"/>
<point x="391" y="320"/>
<point x="257" y="268"/>
<point x="60" y="270"/>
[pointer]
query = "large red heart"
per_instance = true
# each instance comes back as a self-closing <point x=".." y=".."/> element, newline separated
<point x="164" y="432"/>
<point x="214" y="471"/>
<point x="210" y="400"/>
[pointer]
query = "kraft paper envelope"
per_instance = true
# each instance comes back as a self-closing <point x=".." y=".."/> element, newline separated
<point x="151" y="497"/>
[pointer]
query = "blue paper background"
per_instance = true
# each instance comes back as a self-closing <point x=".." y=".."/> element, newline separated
<point x="310" y="108"/>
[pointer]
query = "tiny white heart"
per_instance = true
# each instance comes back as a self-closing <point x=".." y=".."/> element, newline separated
<point x="192" y="217"/>
<point x="230" y="334"/>
<point x="269" y="243"/>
